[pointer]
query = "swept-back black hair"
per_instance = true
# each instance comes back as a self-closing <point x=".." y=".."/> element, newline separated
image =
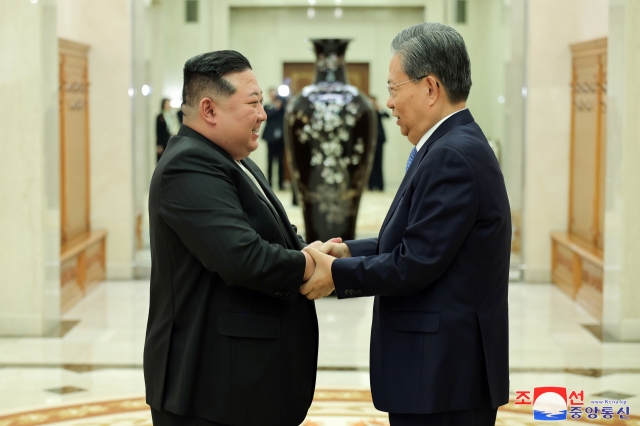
<point x="204" y="75"/>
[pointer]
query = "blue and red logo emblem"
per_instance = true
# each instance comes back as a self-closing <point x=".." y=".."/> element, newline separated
<point x="550" y="403"/>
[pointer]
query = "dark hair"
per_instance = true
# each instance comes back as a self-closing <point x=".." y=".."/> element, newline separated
<point x="439" y="49"/>
<point x="162" y="103"/>
<point x="203" y="74"/>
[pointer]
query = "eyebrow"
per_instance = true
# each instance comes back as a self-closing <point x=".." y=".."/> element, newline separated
<point x="258" y="94"/>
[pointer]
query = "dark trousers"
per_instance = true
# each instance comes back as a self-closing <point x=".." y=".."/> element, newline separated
<point x="276" y="153"/>
<point x="165" y="418"/>
<point x="375" y="178"/>
<point x="479" y="417"/>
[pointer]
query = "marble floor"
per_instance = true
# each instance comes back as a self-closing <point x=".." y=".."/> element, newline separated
<point x="90" y="372"/>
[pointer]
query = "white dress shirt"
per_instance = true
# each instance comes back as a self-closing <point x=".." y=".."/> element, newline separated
<point x="432" y="130"/>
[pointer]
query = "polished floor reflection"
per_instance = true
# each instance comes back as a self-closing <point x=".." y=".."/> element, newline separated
<point x="99" y="358"/>
<point x="91" y="366"/>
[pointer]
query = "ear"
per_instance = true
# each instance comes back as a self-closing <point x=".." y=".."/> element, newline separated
<point x="208" y="111"/>
<point x="435" y="89"/>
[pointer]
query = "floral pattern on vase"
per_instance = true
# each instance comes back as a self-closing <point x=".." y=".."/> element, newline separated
<point x="330" y="134"/>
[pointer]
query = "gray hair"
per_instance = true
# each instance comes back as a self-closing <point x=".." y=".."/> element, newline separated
<point x="432" y="48"/>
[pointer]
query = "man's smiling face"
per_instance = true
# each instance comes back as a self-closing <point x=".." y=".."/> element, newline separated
<point x="241" y="115"/>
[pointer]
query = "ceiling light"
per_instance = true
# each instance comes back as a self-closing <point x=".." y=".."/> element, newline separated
<point x="283" y="90"/>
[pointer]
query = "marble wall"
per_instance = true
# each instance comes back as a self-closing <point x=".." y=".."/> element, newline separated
<point x="106" y="27"/>
<point x="551" y="27"/>
<point x="29" y="169"/>
<point x="621" y="316"/>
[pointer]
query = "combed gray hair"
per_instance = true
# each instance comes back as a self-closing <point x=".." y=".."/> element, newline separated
<point x="432" y="48"/>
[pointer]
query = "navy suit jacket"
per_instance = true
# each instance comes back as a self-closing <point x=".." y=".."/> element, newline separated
<point x="439" y="271"/>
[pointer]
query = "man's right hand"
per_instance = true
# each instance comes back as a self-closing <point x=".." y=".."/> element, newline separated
<point x="333" y="247"/>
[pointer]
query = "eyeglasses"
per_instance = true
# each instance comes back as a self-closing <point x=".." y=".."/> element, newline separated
<point x="389" y="86"/>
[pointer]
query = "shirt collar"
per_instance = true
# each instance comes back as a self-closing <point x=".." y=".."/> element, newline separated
<point x="432" y="130"/>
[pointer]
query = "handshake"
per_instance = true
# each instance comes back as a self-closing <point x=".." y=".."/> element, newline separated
<point x="318" y="281"/>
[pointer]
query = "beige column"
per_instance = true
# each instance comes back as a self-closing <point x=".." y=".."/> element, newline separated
<point x="621" y="314"/>
<point x="29" y="169"/>
<point x="220" y="16"/>
<point x="435" y="11"/>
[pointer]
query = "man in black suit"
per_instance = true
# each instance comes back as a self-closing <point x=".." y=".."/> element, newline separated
<point x="274" y="135"/>
<point x="439" y="268"/>
<point x="376" y="180"/>
<point x="229" y="339"/>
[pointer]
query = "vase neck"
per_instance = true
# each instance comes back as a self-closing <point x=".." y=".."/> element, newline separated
<point x="331" y="68"/>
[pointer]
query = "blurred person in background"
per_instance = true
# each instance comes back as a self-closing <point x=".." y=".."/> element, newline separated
<point x="167" y="125"/>
<point x="274" y="135"/>
<point x="376" y="181"/>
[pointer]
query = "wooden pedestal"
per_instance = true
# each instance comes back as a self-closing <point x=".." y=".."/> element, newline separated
<point x="83" y="265"/>
<point x="577" y="268"/>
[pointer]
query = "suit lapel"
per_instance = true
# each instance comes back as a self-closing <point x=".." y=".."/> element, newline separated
<point x="272" y="201"/>
<point x="458" y="119"/>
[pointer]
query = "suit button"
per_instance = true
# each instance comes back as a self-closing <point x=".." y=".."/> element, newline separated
<point x="359" y="291"/>
<point x="276" y="293"/>
<point x="288" y="294"/>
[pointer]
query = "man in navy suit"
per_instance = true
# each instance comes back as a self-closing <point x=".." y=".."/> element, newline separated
<point x="439" y="268"/>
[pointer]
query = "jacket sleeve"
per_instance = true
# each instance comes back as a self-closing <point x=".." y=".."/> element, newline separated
<point x="200" y="203"/>
<point x="363" y="247"/>
<point x="443" y="210"/>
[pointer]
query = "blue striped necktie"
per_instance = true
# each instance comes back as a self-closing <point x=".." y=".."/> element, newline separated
<point x="414" y="151"/>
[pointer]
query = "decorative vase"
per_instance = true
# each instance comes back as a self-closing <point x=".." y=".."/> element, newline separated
<point x="330" y="134"/>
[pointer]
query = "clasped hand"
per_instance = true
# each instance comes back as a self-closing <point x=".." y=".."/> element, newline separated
<point x="320" y="283"/>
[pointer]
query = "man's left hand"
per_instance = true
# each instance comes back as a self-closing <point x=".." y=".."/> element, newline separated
<point x="321" y="282"/>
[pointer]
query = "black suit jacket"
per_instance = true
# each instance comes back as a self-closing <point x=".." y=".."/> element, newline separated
<point x="162" y="132"/>
<point x="229" y="338"/>
<point x="273" y="129"/>
<point x="440" y="270"/>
